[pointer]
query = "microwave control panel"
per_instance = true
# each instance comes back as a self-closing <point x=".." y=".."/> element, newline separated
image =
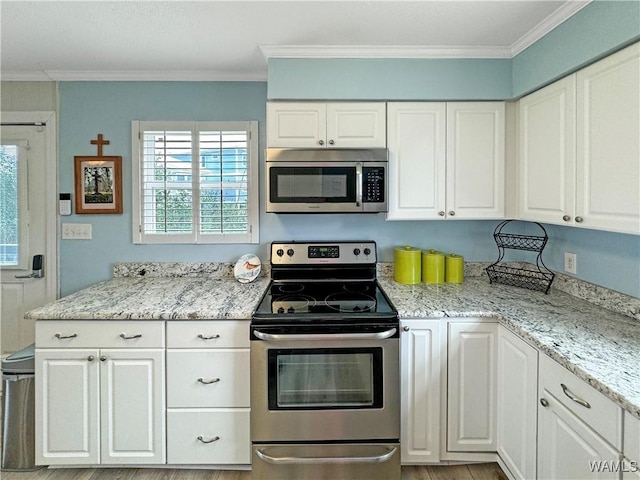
<point x="373" y="184"/>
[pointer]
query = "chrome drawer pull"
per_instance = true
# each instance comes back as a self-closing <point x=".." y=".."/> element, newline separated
<point x="210" y="337"/>
<point x="311" y="460"/>
<point x="62" y="337"/>
<point x="569" y="394"/>
<point x="214" y="439"/>
<point x="208" y="382"/>
<point x="130" y="337"/>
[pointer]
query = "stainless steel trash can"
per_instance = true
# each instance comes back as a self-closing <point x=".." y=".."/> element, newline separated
<point x="18" y="404"/>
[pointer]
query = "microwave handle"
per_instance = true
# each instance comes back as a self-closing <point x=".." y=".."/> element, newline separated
<point x="358" y="184"/>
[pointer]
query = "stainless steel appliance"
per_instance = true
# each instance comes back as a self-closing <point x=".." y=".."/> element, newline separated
<point x="327" y="180"/>
<point x="325" y="394"/>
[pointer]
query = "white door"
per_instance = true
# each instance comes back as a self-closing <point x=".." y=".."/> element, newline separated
<point x="27" y="222"/>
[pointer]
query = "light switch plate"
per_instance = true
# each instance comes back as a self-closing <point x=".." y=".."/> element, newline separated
<point x="76" y="231"/>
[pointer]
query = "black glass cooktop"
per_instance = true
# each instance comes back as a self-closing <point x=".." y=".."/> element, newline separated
<point x="329" y="300"/>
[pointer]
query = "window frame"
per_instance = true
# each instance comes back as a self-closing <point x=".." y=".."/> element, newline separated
<point x="195" y="237"/>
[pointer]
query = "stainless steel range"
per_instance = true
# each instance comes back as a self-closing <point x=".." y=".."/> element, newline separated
<point x="325" y="394"/>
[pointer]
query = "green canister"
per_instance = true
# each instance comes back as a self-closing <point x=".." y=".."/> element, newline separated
<point x="454" y="268"/>
<point x="432" y="266"/>
<point x="406" y="267"/>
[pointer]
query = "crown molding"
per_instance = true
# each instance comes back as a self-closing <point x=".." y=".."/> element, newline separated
<point x="562" y="14"/>
<point x="382" y="51"/>
<point x="133" y="76"/>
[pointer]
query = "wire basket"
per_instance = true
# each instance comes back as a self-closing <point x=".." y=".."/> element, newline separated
<point x="526" y="275"/>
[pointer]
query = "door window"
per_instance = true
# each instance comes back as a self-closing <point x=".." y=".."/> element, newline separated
<point x="12" y="189"/>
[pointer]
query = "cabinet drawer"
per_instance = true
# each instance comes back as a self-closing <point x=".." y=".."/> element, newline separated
<point x="631" y="446"/>
<point x="99" y="334"/>
<point x="208" y="334"/>
<point x="229" y="425"/>
<point x="602" y="414"/>
<point x="208" y="378"/>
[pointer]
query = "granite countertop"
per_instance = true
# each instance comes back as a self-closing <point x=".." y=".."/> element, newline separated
<point x="158" y="298"/>
<point x="598" y="345"/>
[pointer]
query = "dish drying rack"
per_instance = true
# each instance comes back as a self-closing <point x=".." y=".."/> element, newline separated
<point x="532" y="276"/>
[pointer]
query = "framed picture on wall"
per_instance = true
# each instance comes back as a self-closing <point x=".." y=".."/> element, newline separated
<point x="98" y="184"/>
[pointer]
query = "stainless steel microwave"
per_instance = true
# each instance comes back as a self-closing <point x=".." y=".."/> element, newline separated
<point x="327" y="180"/>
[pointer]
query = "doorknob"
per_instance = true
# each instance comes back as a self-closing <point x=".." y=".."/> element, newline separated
<point x="37" y="268"/>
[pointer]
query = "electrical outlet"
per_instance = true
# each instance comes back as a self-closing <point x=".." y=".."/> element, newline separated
<point x="570" y="262"/>
<point x="76" y="231"/>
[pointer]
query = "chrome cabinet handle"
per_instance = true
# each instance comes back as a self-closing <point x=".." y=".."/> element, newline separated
<point x="213" y="439"/>
<point x="321" y="142"/>
<point x="579" y="219"/>
<point x="208" y="382"/>
<point x="62" y="337"/>
<point x="209" y="337"/>
<point x="406" y="328"/>
<point x="441" y="213"/>
<point x="452" y="213"/>
<point x="566" y="218"/>
<point x="331" y="142"/>
<point x="570" y="394"/>
<point x="544" y="402"/>
<point x="130" y="337"/>
<point x="91" y="358"/>
<point x="328" y="336"/>
<point x="103" y="358"/>
<point x="306" y="460"/>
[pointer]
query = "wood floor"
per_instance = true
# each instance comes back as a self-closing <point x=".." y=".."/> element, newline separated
<point x="480" y="471"/>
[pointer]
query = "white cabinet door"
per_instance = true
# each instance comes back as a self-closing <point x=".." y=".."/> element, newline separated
<point x="631" y="447"/>
<point x="471" y="389"/>
<point x="417" y="162"/>
<point x="568" y="448"/>
<point x="132" y="406"/>
<point x="356" y="125"/>
<point x="475" y="160"/>
<point x="326" y="125"/>
<point x="517" y="404"/>
<point x="608" y="143"/>
<point x="420" y="387"/>
<point x="547" y="154"/>
<point x="301" y="125"/>
<point x="67" y="402"/>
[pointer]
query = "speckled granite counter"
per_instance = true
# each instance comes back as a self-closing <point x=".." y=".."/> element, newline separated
<point x="158" y="298"/>
<point x="600" y="346"/>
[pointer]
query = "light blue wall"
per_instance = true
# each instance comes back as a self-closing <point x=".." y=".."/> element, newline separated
<point x="595" y="31"/>
<point x="88" y="108"/>
<point x="386" y="79"/>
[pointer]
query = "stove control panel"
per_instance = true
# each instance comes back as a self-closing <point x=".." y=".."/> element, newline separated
<point x="313" y="253"/>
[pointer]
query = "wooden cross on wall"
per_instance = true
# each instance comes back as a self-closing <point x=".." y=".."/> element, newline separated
<point x="99" y="142"/>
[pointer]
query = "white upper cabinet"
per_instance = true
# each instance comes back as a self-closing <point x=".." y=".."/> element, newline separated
<point x="446" y="160"/>
<point x="580" y="147"/>
<point x="608" y="143"/>
<point x="547" y="153"/>
<point x="326" y="125"/>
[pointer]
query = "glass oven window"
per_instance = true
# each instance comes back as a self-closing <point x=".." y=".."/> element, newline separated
<point x="325" y="378"/>
<point x="312" y="184"/>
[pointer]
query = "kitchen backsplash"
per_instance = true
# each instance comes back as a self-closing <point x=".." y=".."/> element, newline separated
<point x="609" y="299"/>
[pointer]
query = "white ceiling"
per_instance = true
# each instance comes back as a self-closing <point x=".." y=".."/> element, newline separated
<point x="231" y="40"/>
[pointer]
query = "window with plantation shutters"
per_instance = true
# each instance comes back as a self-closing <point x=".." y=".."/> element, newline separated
<point x="195" y="182"/>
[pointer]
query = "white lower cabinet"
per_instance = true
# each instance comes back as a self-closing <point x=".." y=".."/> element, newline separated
<point x="471" y="386"/>
<point x="517" y="404"/>
<point x="631" y="447"/>
<point x="208" y="393"/>
<point x="101" y="405"/>
<point x="579" y="429"/>
<point x="420" y="386"/>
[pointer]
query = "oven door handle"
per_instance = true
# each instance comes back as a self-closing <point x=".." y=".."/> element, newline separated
<point x="315" y="460"/>
<point x="325" y="336"/>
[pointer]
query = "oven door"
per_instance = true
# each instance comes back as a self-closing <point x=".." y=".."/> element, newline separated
<point x="310" y="384"/>
<point x="314" y="187"/>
